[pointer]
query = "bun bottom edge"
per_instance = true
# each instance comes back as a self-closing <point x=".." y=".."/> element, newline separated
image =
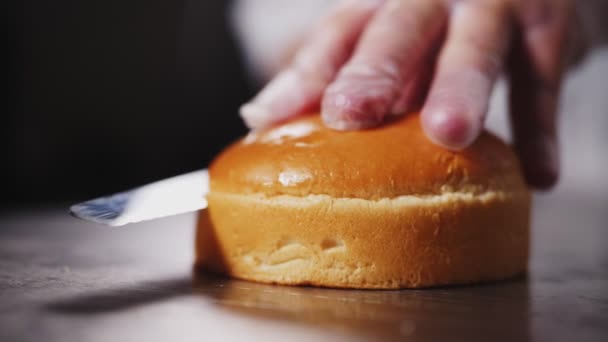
<point x="345" y="243"/>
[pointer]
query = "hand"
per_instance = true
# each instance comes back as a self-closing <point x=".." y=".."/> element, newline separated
<point x="369" y="59"/>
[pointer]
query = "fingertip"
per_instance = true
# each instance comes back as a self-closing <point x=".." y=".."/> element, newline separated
<point x="543" y="179"/>
<point x="452" y="131"/>
<point x="540" y="163"/>
<point x="254" y="115"/>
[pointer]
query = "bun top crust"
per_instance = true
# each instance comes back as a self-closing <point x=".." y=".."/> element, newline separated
<point x="303" y="157"/>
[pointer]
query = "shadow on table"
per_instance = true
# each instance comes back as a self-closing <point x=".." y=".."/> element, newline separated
<point x="486" y="312"/>
<point x="122" y="297"/>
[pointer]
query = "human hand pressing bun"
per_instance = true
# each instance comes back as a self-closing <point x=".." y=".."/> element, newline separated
<point x="367" y="60"/>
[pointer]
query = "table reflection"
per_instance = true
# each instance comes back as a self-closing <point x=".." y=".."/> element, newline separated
<point x="493" y="311"/>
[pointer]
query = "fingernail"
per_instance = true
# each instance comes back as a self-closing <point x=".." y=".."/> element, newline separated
<point x="452" y="131"/>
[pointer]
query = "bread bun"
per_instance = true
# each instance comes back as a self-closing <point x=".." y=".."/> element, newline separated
<point x="384" y="208"/>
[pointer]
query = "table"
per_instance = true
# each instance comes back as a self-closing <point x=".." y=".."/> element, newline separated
<point x="62" y="279"/>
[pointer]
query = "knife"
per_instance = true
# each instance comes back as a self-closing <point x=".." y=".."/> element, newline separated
<point x="171" y="196"/>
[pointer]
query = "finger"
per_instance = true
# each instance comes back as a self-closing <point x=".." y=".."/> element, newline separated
<point x="299" y="88"/>
<point x="389" y="52"/>
<point x="417" y="85"/>
<point x="471" y="60"/>
<point x="408" y="95"/>
<point x="536" y="72"/>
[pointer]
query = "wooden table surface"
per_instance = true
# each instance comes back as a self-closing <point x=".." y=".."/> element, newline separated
<point x="62" y="279"/>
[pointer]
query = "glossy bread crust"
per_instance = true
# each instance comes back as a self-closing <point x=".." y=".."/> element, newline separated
<point x="304" y="157"/>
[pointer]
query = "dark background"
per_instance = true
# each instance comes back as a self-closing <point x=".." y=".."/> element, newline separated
<point x="106" y="95"/>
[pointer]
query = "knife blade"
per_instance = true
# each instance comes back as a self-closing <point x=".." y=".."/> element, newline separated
<point x="171" y="196"/>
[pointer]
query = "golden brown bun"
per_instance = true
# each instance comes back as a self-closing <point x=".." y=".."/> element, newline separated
<point x="380" y="208"/>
